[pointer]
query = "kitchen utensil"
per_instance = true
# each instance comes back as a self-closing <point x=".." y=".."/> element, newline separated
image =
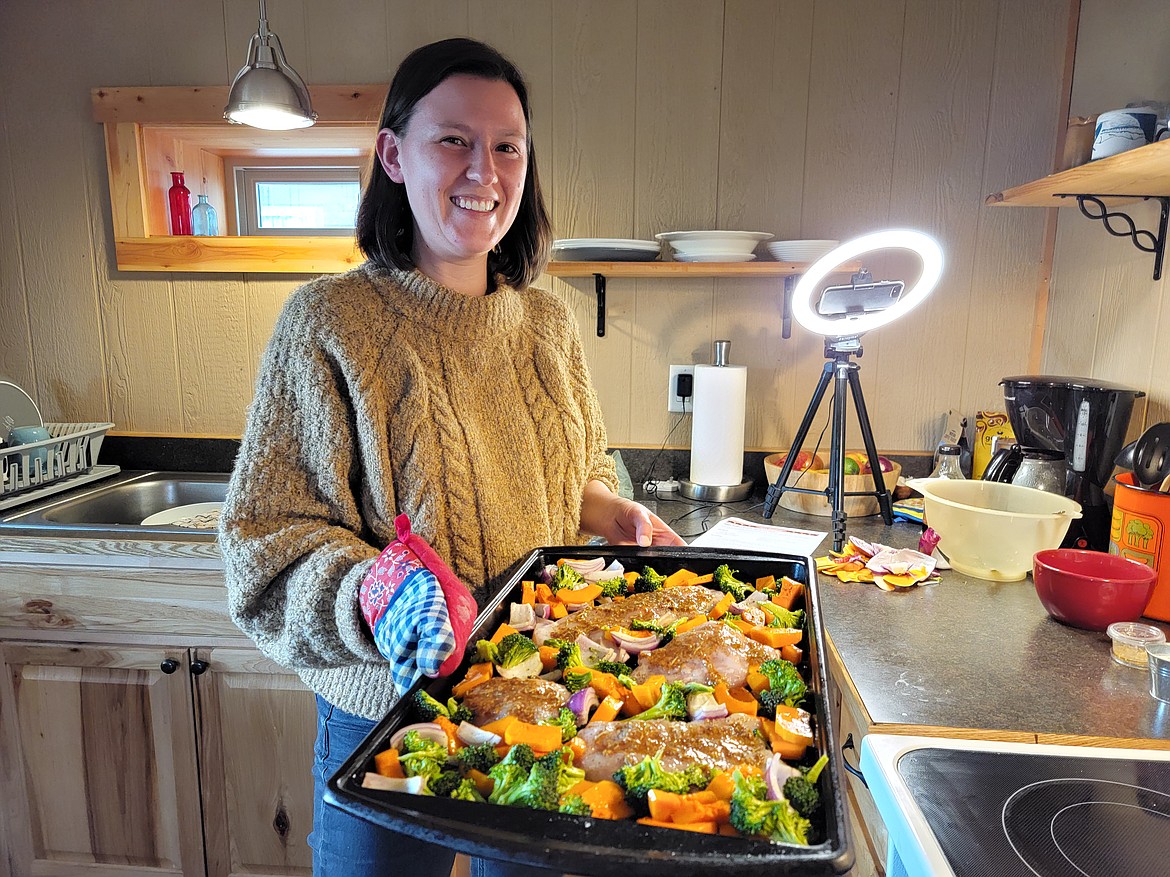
<point x="17" y="408"/>
<point x="1125" y="457"/>
<point x="1091" y="589"/>
<point x="1151" y="455"/>
<point x="1121" y="130"/>
<point x="992" y="530"/>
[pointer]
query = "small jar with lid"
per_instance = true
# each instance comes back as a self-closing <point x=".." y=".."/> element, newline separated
<point x="949" y="462"/>
<point x="1130" y="640"/>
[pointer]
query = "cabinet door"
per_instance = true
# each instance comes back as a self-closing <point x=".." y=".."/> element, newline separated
<point x="97" y="762"/>
<point x="256" y="724"/>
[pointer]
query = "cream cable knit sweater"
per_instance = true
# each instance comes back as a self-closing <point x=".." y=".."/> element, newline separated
<point x="382" y="393"/>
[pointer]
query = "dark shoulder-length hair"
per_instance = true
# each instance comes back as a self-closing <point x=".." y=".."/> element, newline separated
<point x="385" y="223"/>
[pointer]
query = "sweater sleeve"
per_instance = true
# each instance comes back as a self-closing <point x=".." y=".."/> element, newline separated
<point x="291" y="530"/>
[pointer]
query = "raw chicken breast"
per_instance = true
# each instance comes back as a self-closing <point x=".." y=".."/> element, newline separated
<point x="710" y="653"/>
<point x="685" y="600"/>
<point x="717" y="743"/>
<point x="529" y="700"/>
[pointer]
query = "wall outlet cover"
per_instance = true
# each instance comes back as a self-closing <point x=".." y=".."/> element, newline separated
<point x="674" y="402"/>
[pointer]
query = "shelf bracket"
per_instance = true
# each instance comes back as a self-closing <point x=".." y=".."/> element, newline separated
<point x="1146" y="241"/>
<point x="599" y="288"/>
<point x="786" y="313"/>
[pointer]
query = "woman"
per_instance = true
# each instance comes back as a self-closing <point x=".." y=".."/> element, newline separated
<point x="432" y="382"/>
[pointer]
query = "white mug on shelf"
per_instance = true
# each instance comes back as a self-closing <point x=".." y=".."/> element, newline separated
<point x="1122" y="130"/>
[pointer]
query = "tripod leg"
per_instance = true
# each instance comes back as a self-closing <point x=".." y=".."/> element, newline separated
<point x="775" y="490"/>
<point x="837" y="455"/>
<point x="879" y="482"/>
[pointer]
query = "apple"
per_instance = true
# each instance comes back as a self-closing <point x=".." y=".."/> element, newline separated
<point x="852" y="467"/>
<point x="883" y="462"/>
<point x="804" y="460"/>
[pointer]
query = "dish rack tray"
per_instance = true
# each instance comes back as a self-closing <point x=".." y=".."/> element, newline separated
<point x="71" y="449"/>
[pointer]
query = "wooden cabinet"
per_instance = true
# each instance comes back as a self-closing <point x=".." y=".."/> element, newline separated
<point x="140" y="733"/>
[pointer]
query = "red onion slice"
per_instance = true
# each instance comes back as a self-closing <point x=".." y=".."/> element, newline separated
<point x="776" y="773"/>
<point x="472" y="735"/>
<point x="612" y="571"/>
<point x="427" y="730"/>
<point x="595" y="564"/>
<point x="635" y="645"/>
<point x="582" y="703"/>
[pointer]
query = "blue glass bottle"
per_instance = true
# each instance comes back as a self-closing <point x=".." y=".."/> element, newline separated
<point x="203" y="218"/>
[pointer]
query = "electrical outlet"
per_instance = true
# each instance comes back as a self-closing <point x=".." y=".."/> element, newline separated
<point x="674" y="402"/>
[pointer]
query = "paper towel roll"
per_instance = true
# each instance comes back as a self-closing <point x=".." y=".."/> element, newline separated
<point x="717" y="425"/>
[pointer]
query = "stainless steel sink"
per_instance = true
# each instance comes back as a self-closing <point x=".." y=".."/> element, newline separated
<point x="119" y="506"/>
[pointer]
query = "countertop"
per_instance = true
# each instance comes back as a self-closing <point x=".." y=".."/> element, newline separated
<point x="964" y="657"/>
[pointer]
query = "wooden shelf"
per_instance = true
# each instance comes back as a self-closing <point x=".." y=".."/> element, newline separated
<point x="1140" y="173"/>
<point x="288" y="255"/>
<point x="1099" y="186"/>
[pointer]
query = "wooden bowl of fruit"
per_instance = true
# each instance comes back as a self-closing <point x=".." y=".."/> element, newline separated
<point x="810" y="471"/>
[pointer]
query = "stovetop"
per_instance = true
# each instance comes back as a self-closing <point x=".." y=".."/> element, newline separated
<point x="985" y="809"/>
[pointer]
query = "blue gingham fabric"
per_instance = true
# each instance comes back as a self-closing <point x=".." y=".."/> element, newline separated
<point x="414" y="632"/>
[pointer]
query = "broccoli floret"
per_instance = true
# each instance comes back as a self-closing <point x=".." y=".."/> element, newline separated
<point x="428" y="709"/>
<point x="420" y="756"/>
<point x="520" y="755"/>
<point x="575" y="681"/>
<point x="802" y="792"/>
<point x="725" y="580"/>
<point x="665" y="631"/>
<point x="568" y="654"/>
<point x="785" y="685"/>
<point x="444" y="782"/>
<point x="618" y="669"/>
<point x="518" y="656"/>
<point x="781" y="617"/>
<point x="511" y="773"/>
<point x="486" y="650"/>
<point x="648" y="580"/>
<point x="638" y="779"/>
<point x="535" y="788"/>
<point x="566" y="577"/>
<point x="567" y="722"/>
<point x="479" y="756"/>
<point x="752" y="814"/>
<point x="612" y="587"/>
<point x="575" y="805"/>
<point x="466" y="791"/>
<point x="672" y="704"/>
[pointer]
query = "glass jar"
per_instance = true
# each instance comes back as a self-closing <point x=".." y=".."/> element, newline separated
<point x="203" y="218"/>
<point x="179" y="205"/>
<point x="949" y="462"/>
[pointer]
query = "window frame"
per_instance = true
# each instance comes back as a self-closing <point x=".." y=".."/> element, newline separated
<point x="244" y="173"/>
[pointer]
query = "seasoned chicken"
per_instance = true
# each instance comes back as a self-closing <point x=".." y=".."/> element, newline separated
<point x="717" y="743"/>
<point x="710" y="653"/>
<point x="530" y="700"/>
<point x="673" y="602"/>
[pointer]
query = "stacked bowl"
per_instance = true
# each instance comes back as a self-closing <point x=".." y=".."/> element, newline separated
<point x="800" y="251"/>
<point x="713" y="246"/>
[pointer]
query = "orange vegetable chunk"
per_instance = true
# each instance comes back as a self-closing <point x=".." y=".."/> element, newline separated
<point x="386" y="763"/>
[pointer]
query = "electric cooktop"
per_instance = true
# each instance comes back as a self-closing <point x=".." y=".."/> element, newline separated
<point x="988" y="809"/>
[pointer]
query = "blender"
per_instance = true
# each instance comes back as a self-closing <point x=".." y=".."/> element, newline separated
<point x="1082" y="419"/>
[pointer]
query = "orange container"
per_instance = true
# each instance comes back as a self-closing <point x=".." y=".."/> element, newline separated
<point x="1140" y="530"/>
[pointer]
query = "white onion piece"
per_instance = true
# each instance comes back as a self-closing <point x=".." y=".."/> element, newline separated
<point x="542" y="630"/>
<point x="593" y="651"/>
<point x="635" y="645"/>
<point x="526" y="669"/>
<point x="553" y="675"/>
<point x="703" y="705"/>
<point x="776" y="773"/>
<point x="542" y="610"/>
<point x="594" y="564"/>
<point x="427" y="730"/>
<point x="410" y="785"/>
<point x="612" y="571"/>
<point x="473" y="735"/>
<point x="622" y="656"/>
<point x="522" y="616"/>
<point x="755" y="597"/>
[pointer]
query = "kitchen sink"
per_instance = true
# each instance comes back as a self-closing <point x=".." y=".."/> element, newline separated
<point x="118" y="507"/>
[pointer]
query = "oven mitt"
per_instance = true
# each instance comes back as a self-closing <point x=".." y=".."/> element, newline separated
<point x="417" y="609"/>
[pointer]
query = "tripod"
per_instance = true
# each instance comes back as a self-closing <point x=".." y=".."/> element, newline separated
<point x="840" y="368"/>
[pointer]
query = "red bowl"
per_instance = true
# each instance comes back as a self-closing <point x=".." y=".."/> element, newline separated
<point x="1091" y="589"/>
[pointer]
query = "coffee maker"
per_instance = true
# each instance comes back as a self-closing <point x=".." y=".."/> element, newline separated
<point x="1084" y="420"/>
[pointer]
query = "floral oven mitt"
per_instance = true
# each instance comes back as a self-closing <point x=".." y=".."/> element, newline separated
<point x="417" y="609"/>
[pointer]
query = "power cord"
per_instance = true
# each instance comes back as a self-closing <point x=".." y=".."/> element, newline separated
<point x="652" y="488"/>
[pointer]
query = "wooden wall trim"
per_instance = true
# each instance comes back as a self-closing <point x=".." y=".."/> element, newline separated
<point x="203" y="104"/>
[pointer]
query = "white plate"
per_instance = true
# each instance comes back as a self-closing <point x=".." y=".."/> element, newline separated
<point x="800" y="251"/>
<point x="605" y="250"/>
<point x="196" y="515"/>
<point x="717" y="235"/>
<point x="16" y="409"/>
<point x="714" y="257"/>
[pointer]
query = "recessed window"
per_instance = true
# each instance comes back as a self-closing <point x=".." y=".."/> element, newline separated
<point x="297" y="200"/>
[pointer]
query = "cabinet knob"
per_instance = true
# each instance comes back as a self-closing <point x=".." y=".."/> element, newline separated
<point x="169" y="666"/>
<point x="198" y="668"/>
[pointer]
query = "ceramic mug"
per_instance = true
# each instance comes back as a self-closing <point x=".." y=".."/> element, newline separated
<point x="26" y="435"/>
<point x="1119" y="131"/>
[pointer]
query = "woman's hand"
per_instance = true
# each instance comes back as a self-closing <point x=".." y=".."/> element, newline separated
<point x="622" y="521"/>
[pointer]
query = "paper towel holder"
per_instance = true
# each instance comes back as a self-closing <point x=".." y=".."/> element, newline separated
<point x="717" y="492"/>
<point x="841" y="315"/>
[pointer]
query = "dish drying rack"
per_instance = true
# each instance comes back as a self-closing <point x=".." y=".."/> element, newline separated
<point x="51" y="465"/>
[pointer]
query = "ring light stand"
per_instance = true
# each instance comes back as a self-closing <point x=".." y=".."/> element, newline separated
<point x="841" y="315"/>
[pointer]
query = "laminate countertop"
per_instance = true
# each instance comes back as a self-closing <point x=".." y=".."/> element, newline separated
<point x="964" y="657"/>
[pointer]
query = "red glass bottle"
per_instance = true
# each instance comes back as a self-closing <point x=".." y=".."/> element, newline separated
<point x="179" y="201"/>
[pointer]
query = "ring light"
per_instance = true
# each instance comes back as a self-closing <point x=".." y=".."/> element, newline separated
<point x="923" y="245"/>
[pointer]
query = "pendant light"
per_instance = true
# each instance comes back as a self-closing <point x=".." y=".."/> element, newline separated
<point x="267" y="92"/>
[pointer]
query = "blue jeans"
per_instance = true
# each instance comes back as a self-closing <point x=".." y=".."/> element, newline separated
<point x="346" y="846"/>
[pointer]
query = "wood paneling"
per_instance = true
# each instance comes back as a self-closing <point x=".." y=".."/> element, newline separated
<point x="801" y="119"/>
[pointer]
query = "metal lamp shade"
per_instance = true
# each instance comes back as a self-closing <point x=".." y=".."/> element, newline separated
<point x="267" y="92"/>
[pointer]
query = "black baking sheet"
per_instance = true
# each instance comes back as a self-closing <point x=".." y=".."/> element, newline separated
<point x="579" y="845"/>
